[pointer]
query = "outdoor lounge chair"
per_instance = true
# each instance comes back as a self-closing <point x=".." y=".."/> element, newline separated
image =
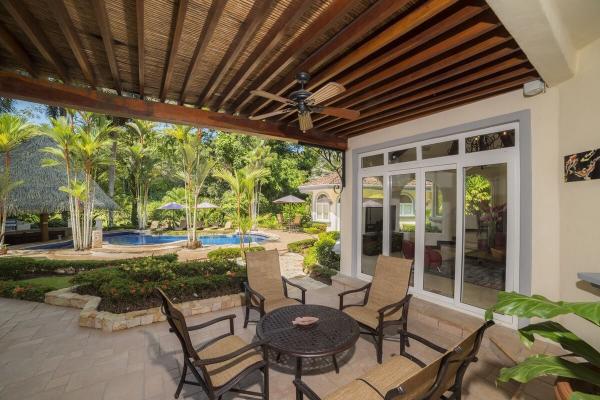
<point x="405" y="377"/>
<point x="228" y="225"/>
<point x="222" y="362"/>
<point x="182" y="225"/>
<point x="295" y="224"/>
<point x="386" y="299"/>
<point x="266" y="290"/>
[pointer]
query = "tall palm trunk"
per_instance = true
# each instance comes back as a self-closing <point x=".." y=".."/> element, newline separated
<point x="111" y="178"/>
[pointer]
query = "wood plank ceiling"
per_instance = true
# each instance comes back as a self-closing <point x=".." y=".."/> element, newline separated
<point x="398" y="59"/>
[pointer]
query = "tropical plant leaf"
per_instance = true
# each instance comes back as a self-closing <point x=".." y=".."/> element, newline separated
<point x="584" y="396"/>
<point x="545" y="365"/>
<point x="561" y="335"/>
<point x="511" y="303"/>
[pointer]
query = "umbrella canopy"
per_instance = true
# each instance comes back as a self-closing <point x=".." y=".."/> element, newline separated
<point x="40" y="193"/>
<point x="289" y="199"/>
<point x="206" y="204"/>
<point x="171" y="206"/>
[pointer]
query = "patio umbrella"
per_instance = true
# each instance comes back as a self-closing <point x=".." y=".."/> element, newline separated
<point x="172" y="206"/>
<point x="289" y="199"/>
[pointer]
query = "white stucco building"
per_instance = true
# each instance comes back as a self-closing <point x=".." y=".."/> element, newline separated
<point x="325" y="194"/>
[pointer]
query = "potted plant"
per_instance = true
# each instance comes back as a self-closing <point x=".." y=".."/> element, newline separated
<point x="578" y="371"/>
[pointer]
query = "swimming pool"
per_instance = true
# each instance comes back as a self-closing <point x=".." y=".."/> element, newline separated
<point x="141" y="239"/>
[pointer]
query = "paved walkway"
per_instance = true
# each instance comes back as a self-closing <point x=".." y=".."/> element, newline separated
<point x="44" y="354"/>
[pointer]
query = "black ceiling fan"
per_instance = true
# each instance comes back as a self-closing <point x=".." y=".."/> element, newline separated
<point x="305" y="102"/>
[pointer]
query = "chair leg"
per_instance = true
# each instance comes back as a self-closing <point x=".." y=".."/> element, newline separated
<point x="266" y="382"/>
<point x="405" y="327"/>
<point x="380" y="345"/>
<point x="246" y="317"/>
<point x="183" y="375"/>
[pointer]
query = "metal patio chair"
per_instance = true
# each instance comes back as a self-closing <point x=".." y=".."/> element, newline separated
<point x="386" y="299"/>
<point x="221" y="362"/>
<point x="266" y="290"/>
<point x="405" y="377"/>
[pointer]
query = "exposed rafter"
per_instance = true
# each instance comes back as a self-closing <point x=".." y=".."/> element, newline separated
<point x="18" y="52"/>
<point x="141" y="49"/>
<point x="105" y="32"/>
<point x="245" y="33"/>
<point x="335" y="10"/>
<point x="32" y="29"/>
<point x="289" y="17"/>
<point x="210" y="24"/>
<point x="166" y="85"/>
<point x="61" y="15"/>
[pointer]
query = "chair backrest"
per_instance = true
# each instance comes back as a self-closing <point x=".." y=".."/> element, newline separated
<point x="444" y="374"/>
<point x="183" y="224"/>
<point x="264" y="273"/>
<point x="297" y="219"/>
<point x="280" y="219"/>
<point x="153" y="224"/>
<point x="227" y="225"/>
<point x="177" y="322"/>
<point x="390" y="281"/>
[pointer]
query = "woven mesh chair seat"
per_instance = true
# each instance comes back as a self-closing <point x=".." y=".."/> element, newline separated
<point x="271" y="305"/>
<point x="221" y="373"/>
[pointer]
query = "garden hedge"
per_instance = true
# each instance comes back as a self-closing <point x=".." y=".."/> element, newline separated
<point x="301" y="245"/>
<point x="29" y="291"/>
<point x="231" y="253"/>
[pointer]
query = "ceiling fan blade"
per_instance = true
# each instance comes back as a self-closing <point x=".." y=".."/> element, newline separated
<point x="345" y="113"/>
<point x="271" y="114"/>
<point x="328" y="91"/>
<point x="305" y="121"/>
<point x="271" y="96"/>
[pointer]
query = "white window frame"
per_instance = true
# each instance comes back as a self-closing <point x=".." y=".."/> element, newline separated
<point x="329" y="202"/>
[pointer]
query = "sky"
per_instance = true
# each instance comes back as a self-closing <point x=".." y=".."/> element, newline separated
<point x="34" y="112"/>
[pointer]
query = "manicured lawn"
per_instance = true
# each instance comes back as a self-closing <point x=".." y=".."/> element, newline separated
<point x="57" y="282"/>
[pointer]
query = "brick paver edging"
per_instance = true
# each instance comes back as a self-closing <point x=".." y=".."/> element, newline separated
<point x="109" y="322"/>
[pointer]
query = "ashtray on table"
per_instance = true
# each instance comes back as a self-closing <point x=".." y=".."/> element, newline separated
<point x="305" y="321"/>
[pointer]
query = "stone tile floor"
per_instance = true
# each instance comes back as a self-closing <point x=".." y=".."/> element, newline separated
<point x="44" y="354"/>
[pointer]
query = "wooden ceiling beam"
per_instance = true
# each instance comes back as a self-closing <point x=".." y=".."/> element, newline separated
<point x="462" y="15"/>
<point x="210" y="24"/>
<point x="22" y="88"/>
<point x="442" y="106"/>
<point x="488" y="85"/>
<point x="247" y="30"/>
<point x="63" y="20"/>
<point x="141" y="49"/>
<point x="476" y="51"/>
<point x="32" y="29"/>
<point x="290" y="16"/>
<point x="166" y="84"/>
<point x="17" y="50"/>
<point x="430" y="88"/>
<point x="335" y="10"/>
<point x="105" y="32"/>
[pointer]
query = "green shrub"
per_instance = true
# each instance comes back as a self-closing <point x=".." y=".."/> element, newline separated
<point x="268" y="221"/>
<point x="324" y="250"/>
<point x="301" y="245"/>
<point x="231" y="253"/>
<point x="311" y="231"/>
<point x="310" y="259"/>
<point x="322" y="227"/>
<point x="29" y="291"/>
<point x="24" y="267"/>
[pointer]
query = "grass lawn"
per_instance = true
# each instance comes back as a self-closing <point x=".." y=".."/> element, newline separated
<point x="57" y="282"/>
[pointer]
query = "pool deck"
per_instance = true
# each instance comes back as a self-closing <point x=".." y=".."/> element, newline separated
<point x="279" y="240"/>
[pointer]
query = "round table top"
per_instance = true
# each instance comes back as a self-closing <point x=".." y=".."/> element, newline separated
<point x="333" y="333"/>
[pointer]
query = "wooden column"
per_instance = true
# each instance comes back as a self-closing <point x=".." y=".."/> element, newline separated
<point x="44" y="227"/>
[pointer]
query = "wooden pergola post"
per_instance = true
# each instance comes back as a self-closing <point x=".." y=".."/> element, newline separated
<point x="44" y="227"/>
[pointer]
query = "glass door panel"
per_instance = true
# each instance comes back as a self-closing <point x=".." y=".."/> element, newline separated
<point x="484" y="234"/>
<point x="372" y="222"/>
<point x="439" y="255"/>
<point x="403" y="195"/>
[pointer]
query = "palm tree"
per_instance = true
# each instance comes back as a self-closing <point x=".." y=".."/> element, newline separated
<point x="242" y="183"/>
<point x="259" y="158"/>
<point x="195" y="167"/>
<point x="13" y="131"/>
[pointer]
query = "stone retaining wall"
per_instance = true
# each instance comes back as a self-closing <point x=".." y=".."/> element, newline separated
<point x="92" y="318"/>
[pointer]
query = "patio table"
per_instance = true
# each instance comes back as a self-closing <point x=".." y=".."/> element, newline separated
<point x="334" y="333"/>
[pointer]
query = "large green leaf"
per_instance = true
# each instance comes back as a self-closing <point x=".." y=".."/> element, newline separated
<point x="584" y="396"/>
<point x="511" y="303"/>
<point x="561" y="335"/>
<point x="545" y="365"/>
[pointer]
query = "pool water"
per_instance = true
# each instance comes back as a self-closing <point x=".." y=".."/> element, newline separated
<point x="141" y="239"/>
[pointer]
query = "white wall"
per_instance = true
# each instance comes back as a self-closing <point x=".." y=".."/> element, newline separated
<point x="546" y="169"/>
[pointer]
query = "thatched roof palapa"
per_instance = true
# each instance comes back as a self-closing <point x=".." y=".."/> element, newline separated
<point x="40" y="192"/>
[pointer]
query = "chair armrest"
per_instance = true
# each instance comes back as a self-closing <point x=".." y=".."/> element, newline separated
<point x="253" y="293"/>
<point x="229" y="317"/>
<point x="367" y="287"/>
<point x="305" y="390"/>
<point x="426" y="342"/>
<point x="285" y="290"/>
<point x="402" y="303"/>
<point x="233" y="354"/>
